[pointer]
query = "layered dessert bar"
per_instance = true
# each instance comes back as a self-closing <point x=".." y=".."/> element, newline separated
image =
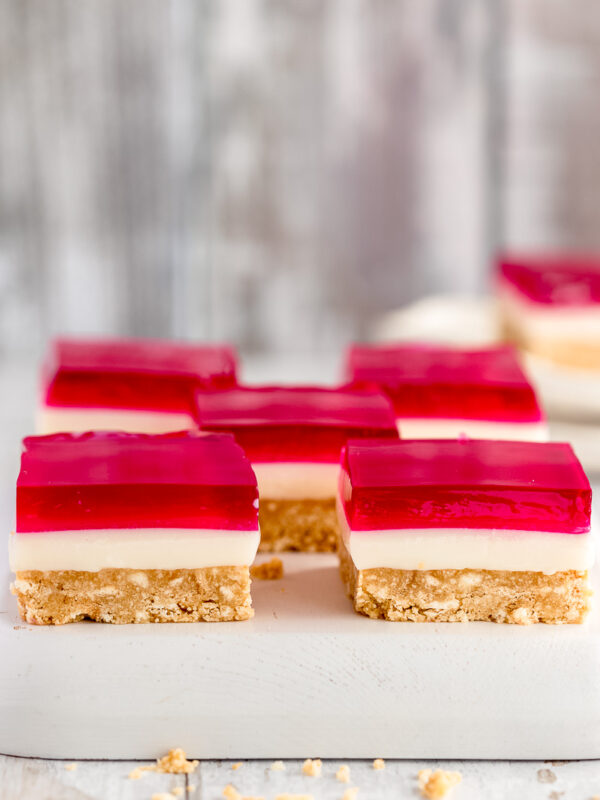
<point x="294" y="437"/>
<point x="119" y="527"/>
<point x="450" y="531"/>
<point x="134" y="385"/>
<point x="444" y="392"/>
<point x="550" y="306"/>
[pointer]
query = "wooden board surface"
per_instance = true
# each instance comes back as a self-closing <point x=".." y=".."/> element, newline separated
<point x="25" y="778"/>
<point x="307" y="674"/>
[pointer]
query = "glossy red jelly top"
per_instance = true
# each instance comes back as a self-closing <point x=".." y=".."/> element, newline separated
<point x="447" y="383"/>
<point x="295" y="424"/>
<point x="465" y="484"/>
<point x="133" y="373"/>
<point x="126" y="480"/>
<point x="554" y="280"/>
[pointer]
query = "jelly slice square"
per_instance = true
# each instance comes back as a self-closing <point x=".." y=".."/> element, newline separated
<point x="471" y="484"/>
<point x="448" y="383"/>
<point x="122" y="480"/>
<point x="295" y="423"/>
<point x="557" y="280"/>
<point x="133" y="373"/>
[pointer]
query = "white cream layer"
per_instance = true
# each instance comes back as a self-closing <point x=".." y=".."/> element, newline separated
<point x="427" y="428"/>
<point x="156" y="548"/>
<point x="52" y="419"/>
<point x="466" y="548"/>
<point x="550" y="322"/>
<point x="296" y="481"/>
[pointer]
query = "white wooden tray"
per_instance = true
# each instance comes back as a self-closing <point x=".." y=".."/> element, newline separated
<point x="306" y="677"/>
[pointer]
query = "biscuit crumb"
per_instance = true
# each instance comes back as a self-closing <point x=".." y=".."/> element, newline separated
<point x="231" y="793"/>
<point x="177" y="791"/>
<point x="163" y="796"/>
<point x="350" y="794"/>
<point x="277" y="766"/>
<point x="267" y="571"/>
<point x="343" y="774"/>
<point x="312" y="767"/>
<point x="174" y="763"/>
<point x="435" y="785"/>
<point x="237" y="765"/>
<point x="191" y="788"/>
<point x="137" y="773"/>
<point x="379" y="763"/>
<point x="70" y="767"/>
<point x="293" y="797"/>
<point x="546" y="776"/>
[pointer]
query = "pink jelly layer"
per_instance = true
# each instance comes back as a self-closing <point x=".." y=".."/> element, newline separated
<point x="465" y="484"/>
<point x="554" y="280"/>
<point x="121" y="480"/>
<point x="133" y="374"/>
<point x="446" y="383"/>
<point x="298" y="423"/>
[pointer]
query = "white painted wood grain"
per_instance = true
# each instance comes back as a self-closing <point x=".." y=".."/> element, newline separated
<point x="33" y="779"/>
<point x="36" y="779"/>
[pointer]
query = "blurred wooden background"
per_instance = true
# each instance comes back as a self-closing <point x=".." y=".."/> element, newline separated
<point x="279" y="172"/>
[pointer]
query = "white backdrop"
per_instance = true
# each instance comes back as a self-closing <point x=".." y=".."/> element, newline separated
<point x="279" y="172"/>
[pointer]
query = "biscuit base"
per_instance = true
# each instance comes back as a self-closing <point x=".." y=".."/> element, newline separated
<point x="579" y="355"/>
<point x="209" y="594"/>
<point x="463" y="595"/>
<point x="307" y="525"/>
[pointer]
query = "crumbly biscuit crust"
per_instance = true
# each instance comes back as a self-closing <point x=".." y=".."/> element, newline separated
<point x="306" y="525"/>
<point x="271" y="570"/>
<point x="210" y="594"/>
<point x="452" y="595"/>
